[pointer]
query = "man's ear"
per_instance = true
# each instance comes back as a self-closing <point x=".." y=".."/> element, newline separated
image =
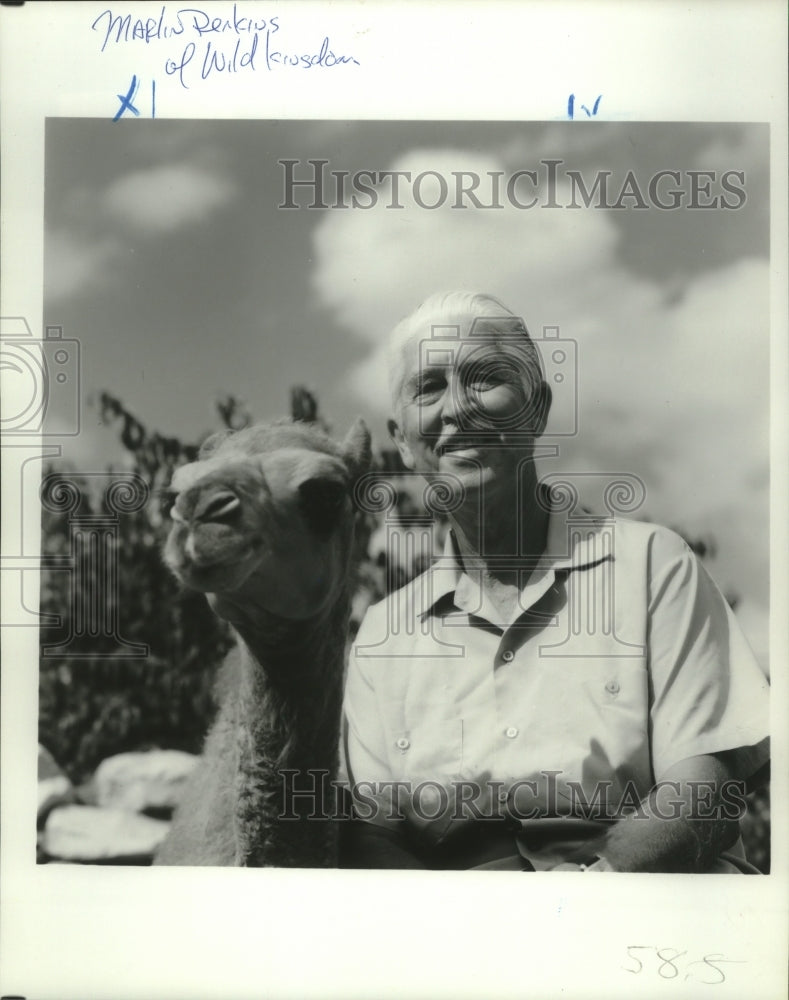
<point x="542" y="407"/>
<point x="401" y="444"/>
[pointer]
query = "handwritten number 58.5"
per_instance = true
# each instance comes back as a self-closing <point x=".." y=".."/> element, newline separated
<point x="665" y="964"/>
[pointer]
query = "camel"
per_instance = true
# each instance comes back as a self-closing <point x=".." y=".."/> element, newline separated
<point x="263" y="523"/>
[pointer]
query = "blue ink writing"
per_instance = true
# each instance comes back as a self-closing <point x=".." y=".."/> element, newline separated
<point x="216" y="61"/>
<point x="203" y="24"/>
<point x="589" y="114"/>
<point x="199" y="45"/>
<point x="126" y="102"/>
<point x="118" y="28"/>
<point x="171" y="66"/>
<point x="126" y="30"/>
<point x="325" y="57"/>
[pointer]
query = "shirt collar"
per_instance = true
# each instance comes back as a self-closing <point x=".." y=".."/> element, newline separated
<point x="570" y="546"/>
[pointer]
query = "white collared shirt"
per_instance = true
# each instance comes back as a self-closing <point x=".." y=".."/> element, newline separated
<point x="623" y="660"/>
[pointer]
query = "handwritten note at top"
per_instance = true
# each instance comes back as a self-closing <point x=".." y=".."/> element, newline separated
<point x="198" y="44"/>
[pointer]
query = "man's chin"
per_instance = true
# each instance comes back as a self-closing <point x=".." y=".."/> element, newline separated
<point x="467" y="466"/>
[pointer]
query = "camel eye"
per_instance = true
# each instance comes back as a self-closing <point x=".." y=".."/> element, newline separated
<point x="323" y="502"/>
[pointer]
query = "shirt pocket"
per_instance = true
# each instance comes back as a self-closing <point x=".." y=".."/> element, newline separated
<point x="427" y="750"/>
<point x="616" y="704"/>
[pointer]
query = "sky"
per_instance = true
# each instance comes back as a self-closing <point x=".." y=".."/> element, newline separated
<point x="168" y="258"/>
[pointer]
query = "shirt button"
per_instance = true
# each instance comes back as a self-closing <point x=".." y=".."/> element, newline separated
<point x="612" y="687"/>
<point x="403" y="743"/>
<point x="511" y="732"/>
<point x="508" y="656"/>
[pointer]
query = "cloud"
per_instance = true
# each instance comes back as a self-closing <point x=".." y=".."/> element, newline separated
<point x="670" y="388"/>
<point x="74" y="264"/>
<point x="166" y="198"/>
<point x="574" y="142"/>
<point x="737" y="148"/>
<point x="374" y="266"/>
<point x="81" y="252"/>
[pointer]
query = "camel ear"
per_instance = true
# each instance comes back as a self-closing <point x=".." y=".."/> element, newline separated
<point x="357" y="449"/>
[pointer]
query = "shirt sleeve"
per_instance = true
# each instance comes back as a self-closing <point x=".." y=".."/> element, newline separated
<point x="708" y="694"/>
<point x="364" y="763"/>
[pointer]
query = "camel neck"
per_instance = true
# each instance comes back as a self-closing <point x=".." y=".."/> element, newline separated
<point x="285" y="654"/>
<point x="289" y="703"/>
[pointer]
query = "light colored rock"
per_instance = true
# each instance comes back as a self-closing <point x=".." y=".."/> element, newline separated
<point x="138" y="781"/>
<point x="88" y="833"/>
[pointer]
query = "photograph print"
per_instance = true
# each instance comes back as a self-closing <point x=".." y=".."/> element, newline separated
<point x="411" y="507"/>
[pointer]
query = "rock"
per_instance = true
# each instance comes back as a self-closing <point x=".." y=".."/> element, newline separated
<point x="153" y="780"/>
<point x="89" y="833"/>
<point x="54" y="788"/>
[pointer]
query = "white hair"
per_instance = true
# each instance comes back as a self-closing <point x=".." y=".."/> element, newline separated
<point x="456" y="309"/>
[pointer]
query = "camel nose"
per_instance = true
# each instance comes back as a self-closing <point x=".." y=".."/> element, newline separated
<point x="216" y="506"/>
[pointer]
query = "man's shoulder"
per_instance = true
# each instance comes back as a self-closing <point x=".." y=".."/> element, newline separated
<point x="647" y="532"/>
<point x="648" y="536"/>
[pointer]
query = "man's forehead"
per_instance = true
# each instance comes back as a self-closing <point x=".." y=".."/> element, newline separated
<point x="449" y="346"/>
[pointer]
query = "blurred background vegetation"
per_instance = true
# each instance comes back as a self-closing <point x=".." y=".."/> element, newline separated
<point x="96" y="701"/>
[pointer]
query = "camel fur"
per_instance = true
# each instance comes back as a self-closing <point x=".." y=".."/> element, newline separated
<point x="263" y="523"/>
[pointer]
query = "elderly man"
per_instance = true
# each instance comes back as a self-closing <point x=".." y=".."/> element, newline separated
<point x="479" y="735"/>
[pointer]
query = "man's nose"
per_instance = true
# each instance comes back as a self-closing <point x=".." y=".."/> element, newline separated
<point x="455" y="403"/>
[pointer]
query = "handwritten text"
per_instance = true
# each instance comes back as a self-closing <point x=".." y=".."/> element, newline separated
<point x="199" y="45"/>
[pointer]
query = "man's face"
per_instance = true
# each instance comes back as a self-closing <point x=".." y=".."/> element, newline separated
<point x="467" y="407"/>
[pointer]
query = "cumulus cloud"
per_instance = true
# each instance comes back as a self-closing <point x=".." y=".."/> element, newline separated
<point x="73" y="263"/>
<point x="736" y="149"/>
<point x="81" y="252"/>
<point x="671" y="388"/>
<point x="165" y="198"/>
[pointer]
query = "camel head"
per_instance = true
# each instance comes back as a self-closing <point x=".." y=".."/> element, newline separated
<point x="263" y="520"/>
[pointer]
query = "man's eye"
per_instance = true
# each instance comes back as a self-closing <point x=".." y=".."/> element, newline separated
<point x="429" y="387"/>
<point x="488" y="377"/>
<point x="484" y="382"/>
